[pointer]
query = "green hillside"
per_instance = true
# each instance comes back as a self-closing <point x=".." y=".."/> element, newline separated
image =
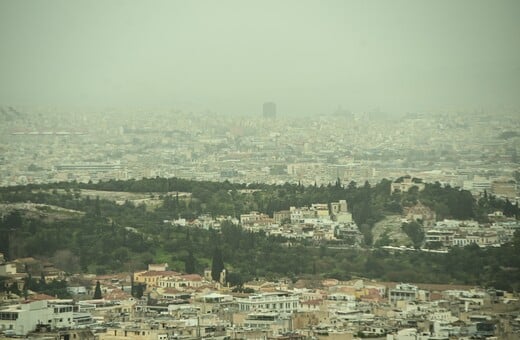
<point x="108" y="236"/>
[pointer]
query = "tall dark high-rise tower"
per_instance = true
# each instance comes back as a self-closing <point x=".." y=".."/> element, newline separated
<point x="269" y="110"/>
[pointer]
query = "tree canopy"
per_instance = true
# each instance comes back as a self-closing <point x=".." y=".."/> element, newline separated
<point x="108" y="237"/>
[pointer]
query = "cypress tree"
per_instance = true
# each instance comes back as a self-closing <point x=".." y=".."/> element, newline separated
<point x="42" y="282"/>
<point x="189" y="263"/>
<point x="97" y="292"/>
<point x="139" y="290"/>
<point x="217" y="265"/>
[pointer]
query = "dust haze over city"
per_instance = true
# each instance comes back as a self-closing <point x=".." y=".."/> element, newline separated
<point x="230" y="56"/>
<point x="260" y="169"/>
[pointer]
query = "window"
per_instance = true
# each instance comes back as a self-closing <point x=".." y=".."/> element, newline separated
<point x="8" y="316"/>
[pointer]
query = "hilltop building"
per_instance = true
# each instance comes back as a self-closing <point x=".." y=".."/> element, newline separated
<point x="339" y="211"/>
<point x="405" y="183"/>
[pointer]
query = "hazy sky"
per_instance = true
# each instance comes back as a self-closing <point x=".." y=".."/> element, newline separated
<point x="231" y="56"/>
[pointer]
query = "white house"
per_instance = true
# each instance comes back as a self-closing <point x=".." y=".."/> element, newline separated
<point x="8" y="268"/>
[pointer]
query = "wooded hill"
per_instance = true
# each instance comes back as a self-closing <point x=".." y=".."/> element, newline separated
<point x="112" y="237"/>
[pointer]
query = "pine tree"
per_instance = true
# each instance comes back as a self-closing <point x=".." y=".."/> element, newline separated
<point x="97" y="292"/>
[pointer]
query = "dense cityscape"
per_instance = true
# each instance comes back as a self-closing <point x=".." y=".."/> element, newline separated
<point x="403" y="154"/>
<point x="264" y="170"/>
<point x="460" y="148"/>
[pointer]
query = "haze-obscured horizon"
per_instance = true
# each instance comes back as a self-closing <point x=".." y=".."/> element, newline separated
<point x="231" y="56"/>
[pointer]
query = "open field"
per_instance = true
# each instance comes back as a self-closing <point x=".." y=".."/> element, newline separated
<point x="42" y="211"/>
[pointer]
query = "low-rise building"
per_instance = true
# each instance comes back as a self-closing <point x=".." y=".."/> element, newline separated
<point x="7" y="268"/>
<point x="339" y="212"/>
<point x="22" y="319"/>
<point x="482" y="239"/>
<point x="152" y="277"/>
<point x="278" y="302"/>
<point x="407" y="292"/>
<point x="281" y="216"/>
<point x="182" y="281"/>
<point x="272" y="322"/>
<point x="444" y="237"/>
<point x="405" y="183"/>
<point x="255" y="217"/>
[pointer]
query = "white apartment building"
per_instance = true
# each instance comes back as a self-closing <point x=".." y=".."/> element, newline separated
<point x="274" y="302"/>
<point x="407" y="292"/>
<point x="274" y="322"/>
<point x="25" y="318"/>
<point x="442" y="236"/>
<point x="481" y="239"/>
<point x="315" y="213"/>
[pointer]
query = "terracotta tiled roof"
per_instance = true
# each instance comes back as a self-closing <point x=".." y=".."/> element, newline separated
<point x="192" y="277"/>
<point x="159" y="273"/>
<point x="435" y="296"/>
<point x="202" y="288"/>
<point x="26" y="260"/>
<point x="117" y="295"/>
<point x="119" y="276"/>
<point x="171" y="290"/>
<point x="40" y="297"/>
<point x="312" y="302"/>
